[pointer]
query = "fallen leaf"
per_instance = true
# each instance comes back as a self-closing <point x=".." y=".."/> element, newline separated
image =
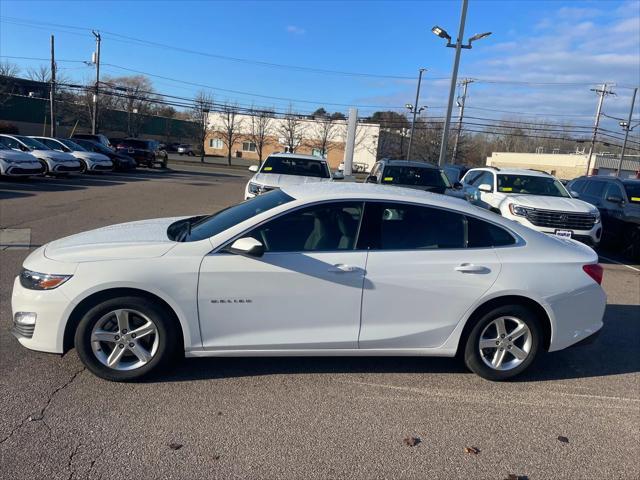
<point x="175" y="446"/>
<point x="412" y="441"/>
<point x="219" y="413"/>
<point x="216" y="457"/>
<point x="563" y="439"/>
<point x="472" y="450"/>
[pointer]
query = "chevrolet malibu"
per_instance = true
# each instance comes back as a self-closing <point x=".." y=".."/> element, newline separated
<point x="315" y="269"/>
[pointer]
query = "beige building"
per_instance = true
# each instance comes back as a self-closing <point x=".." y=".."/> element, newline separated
<point x="309" y="136"/>
<point x="565" y="166"/>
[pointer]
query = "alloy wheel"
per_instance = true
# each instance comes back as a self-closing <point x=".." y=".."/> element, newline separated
<point x="505" y="343"/>
<point x="124" y="339"/>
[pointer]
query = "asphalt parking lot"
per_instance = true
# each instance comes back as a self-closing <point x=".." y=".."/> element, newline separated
<point x="305" y="417"/>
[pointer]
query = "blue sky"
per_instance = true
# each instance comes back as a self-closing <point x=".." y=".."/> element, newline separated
<point x="575" y="42"/>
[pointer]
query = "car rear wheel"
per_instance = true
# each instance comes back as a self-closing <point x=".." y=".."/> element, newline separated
<point x="503" y="343"/>
<point x="83" y="167"/>
<point x="126" y="338"/>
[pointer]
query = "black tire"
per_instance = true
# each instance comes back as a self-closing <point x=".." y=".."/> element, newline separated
<point x="83" y="167"/>
<point x="632" y="242"/>
<point x="167" y="332"/>
<point x="45" y="167"/>
<point x="473" y="357"/>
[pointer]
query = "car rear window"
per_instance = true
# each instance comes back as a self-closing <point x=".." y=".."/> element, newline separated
<point x="134" y="143"/>
<point x="414" y="176"/>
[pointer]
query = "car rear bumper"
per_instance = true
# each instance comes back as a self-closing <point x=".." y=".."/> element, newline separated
<point x="577" y="315"/>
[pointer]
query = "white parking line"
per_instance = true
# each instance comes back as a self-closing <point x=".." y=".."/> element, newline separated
<point x="620" y="263"/>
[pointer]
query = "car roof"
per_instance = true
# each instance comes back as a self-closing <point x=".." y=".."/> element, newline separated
<point x="631" y="181"/>
<point x="408" y="163"/>
<point x="514" y="171"/>
<point x="368" y="191"/>
<point x="298" y="155"/>
<point x="597" y="178"/>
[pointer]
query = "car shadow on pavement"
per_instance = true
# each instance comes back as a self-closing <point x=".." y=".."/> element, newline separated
<point x="614" y="352"/>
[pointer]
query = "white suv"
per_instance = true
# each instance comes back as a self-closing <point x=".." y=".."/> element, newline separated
<point x="535" y="199"/>
<point x="285" y="169"/>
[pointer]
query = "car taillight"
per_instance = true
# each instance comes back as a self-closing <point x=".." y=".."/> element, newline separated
<point x="595" y="271"/>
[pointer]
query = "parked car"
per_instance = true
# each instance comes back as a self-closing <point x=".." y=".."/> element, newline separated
<point x="353" y="269"/>
<point x="280" y="169"/>
<point x="186" y="149"/>
<point x="96" y="138"/>
<point x="144" y="152"/>
<point x="172" y="147"/>
<point x="619" y="204"/>
<point x="412" y="174"/>
<point x="535" y="199"/>
<point x="120" y="161"/>
<point x="18" y="164"/>
<point x="89" y="161"/>
<point x="52" y="161"/>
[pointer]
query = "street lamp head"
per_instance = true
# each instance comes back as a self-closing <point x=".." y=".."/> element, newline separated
<point x="441" y="33"/>
<point x="478" y="36"/>
<point x="421" y="109"/>
<point x="408" y="106"/>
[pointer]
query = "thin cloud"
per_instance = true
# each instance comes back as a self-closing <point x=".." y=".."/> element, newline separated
<point x="296" y="30"/>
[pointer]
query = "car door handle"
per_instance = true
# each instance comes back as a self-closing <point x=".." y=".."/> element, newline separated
<point x="471" y="268"/>
<point x="342" y="268"/>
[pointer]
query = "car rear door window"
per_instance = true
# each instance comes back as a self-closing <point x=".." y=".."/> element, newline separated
<point x="613" y="190"/>
<point x="481" y="234"/>
<point x="399" y="226"/>
<point x="594" y="188"/>
<point x="324" y="227"/>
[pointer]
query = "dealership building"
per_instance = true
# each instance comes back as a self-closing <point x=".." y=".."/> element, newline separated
<point x="567" y="166"/>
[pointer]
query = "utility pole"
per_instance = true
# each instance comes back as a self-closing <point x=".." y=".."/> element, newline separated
<point x="461" y="103"/>
<point x="452" y="88"/>
<point x="627" y="128"/>
<point x="415" y="112"/>
<point x="52" y="89"/>
<point x="96" y="60"/>
<point x="602" y="94"/>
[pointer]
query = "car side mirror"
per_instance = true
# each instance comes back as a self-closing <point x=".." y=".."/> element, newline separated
<point x="485" y="187"/>
<point x="614" y="199"/>
<point x="574" y="194"/>
<point x="457" y="185"/>
<point x="247" y="246"/>
<point x="371" y="179"/>
<point x="338" y="175"/>
<point x="253" y="168"/>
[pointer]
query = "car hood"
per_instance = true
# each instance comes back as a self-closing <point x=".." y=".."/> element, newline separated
<point x="18" y="157"/>
<point x="141" y="239"/>
<point x="55" y="155"/>
<point x="552" y="203"/>
<point x="92" y="156"/>
<point x="279" y="180"/>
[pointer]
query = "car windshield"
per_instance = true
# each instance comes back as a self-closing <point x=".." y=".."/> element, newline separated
<point x="531" y="185"/>
<point x="415" y="176"/>
<point x="33" y="144"/>
<point x="73" y="146"/>
<point x="633" y="191"/>
<point x="296" y="166"/>
<point x="198" y="228"/>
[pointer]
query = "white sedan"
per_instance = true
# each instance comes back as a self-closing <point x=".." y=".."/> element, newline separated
<point x="324" y="269"/>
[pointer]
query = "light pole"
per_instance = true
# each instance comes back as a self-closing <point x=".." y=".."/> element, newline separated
<point x="627" y="128"/>
<point x="414" y="108"/>
<point x="454" y="75"/>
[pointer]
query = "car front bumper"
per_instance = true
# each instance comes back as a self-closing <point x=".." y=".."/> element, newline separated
<point x="51" y="308"/>
<point x="23" y="169"/>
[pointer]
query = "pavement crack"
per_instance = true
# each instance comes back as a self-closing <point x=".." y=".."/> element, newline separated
<point x="39" y="417"/>
<point x="72" y="471"/>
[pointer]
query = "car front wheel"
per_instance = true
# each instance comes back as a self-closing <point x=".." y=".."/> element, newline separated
<point x="126" y="338"/>
<point x="503" y="343"/>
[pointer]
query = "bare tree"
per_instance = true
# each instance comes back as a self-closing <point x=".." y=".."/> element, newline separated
<point x="260" y="130"/>
<point x="40" y="74"/>
<point x="202" y="104"/>
<point x="323" y="133"/>
<point x="8" y="72"/>
<point x="231" y="128"/>
<point x="291" y="129"/>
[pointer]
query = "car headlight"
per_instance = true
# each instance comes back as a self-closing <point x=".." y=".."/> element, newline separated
<point x="518" y="210"/>
<point x="597" y="215"/>
<point x="41" y="281"/>
<point x="254" y="188"/>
